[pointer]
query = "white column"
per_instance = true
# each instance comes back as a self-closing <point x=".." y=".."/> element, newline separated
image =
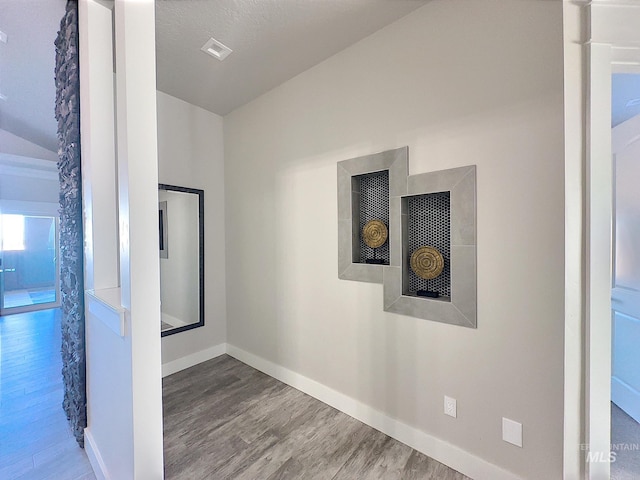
<point x="138" y="215"/>
<point x="598" y="263"/>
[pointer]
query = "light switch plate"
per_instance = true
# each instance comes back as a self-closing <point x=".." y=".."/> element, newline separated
<point x="450" y="407"/>
<point x="512" y="432"/>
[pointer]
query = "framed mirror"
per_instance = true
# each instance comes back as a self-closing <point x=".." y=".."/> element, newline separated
<point x="181" y="237"/>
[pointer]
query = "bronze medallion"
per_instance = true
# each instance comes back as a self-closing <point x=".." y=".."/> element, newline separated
<point x="427" y="262"/>
<point x="375" y="233"/>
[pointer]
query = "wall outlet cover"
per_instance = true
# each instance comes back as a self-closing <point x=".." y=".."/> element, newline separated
<point x="450" y="407"/>
<point x="512" y="432"/>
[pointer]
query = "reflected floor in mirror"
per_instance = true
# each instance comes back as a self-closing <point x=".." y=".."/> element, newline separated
<point x="226" y="420"/>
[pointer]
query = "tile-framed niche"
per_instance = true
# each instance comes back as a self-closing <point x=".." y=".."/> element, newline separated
<point x="365" y="186"/>
<point x="436" y="210"/>
<point x="439" y="209"/>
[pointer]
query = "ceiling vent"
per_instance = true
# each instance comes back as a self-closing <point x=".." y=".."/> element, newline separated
<point x="216" y="49"/>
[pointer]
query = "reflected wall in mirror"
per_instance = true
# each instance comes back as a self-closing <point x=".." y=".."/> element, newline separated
<point x="181" y="233"/>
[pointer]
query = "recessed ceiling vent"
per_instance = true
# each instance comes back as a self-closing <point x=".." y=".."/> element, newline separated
<point x="216" y="49"/>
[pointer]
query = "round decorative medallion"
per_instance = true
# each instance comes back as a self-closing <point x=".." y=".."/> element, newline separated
<point x="427" y="262"/>
<point x="375" y="233"/>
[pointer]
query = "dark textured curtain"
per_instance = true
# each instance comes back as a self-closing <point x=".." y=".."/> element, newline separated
<point x="71" y="244"/>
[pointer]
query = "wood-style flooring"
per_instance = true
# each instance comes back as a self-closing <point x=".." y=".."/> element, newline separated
<point x="226" y="420"/>
<point x="35" y="440"/>
<point x="625" y="438"/>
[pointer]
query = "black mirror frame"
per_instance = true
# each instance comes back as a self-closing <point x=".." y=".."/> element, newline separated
<point x="200" y="194"/>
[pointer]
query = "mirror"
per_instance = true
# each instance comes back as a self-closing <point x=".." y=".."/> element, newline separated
<point x="181" y="236"/>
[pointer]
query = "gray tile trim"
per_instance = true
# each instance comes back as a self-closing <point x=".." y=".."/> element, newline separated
<point x="464" y="281"/>
<point x="397" y="163"/>
<point x="463" y="210"/>
<point x="439" y="181"/>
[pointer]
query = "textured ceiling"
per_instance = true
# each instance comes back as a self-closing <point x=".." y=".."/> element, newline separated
<point x="625" y="89"/>
<point x="272" y="41"/>
<point x="27" y="68"/>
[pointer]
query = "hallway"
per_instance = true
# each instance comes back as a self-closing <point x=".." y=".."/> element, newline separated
<point x="35" y="440"/>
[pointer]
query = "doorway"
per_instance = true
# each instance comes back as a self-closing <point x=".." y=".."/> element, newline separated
<point x="625" y="293"/>
<point x="29" y="270"/>
<point x="612" y="46"/>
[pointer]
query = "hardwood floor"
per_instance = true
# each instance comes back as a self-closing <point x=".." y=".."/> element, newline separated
<point x="226" y="420"/>
<point x="35" y="440"/>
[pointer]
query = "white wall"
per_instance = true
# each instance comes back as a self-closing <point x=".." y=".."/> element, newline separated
<point x="14" y="145"/>
<point x="27" y="171"/>
<point x="29" y="189"/>
<point x="460" y="83"/>
<point x="190" y="154"/>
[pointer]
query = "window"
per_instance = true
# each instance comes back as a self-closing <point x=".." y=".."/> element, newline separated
<point x="12" y="232"/>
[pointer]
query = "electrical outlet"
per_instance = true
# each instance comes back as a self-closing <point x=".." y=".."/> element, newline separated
<point x="450" y="407"/>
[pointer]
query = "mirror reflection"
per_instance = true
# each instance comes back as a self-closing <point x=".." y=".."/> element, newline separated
<point x="181" y="237"/>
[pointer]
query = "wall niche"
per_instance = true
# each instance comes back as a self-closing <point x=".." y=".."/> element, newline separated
<point x="427" y="264"/>
<point x="427" y="224"/>
<point x="370" y="203"/>
<point x="437" y="218"/>
<point x="365" y="185"/>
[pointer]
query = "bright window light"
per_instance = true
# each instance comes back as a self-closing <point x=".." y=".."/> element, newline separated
<point x="12" y="232"/>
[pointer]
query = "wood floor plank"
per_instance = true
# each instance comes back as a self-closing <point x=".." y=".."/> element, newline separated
<point x="364" y="458"/>
<point x="225" y="420"/>
<point x="35" y="438"/>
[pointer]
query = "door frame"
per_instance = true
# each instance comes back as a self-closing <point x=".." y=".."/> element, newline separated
<point x="35" y="209"/>
<point x="613" y="47"/>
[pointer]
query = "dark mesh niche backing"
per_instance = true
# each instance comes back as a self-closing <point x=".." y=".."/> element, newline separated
<point x="374" y="205"/>
<point x="428" y="224"/>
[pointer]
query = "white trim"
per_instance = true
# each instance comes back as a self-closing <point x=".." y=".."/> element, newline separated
<point x="105" y="306"/>
<point x="192" y="359"/>
<point x="440" y="450"/>
<point x="598" y="259"/>
<point x="95" y="459"/>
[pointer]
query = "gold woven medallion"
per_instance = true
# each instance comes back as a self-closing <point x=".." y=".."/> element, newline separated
<point x="375" y="233"/>
<point x="427" y="262"/>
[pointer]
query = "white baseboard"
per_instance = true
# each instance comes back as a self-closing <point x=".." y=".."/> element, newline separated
<point x="95" y="459"/>
<point x="192" y="359"/>
<point x="626" y="397"/>
<point x="444" y="452"/>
